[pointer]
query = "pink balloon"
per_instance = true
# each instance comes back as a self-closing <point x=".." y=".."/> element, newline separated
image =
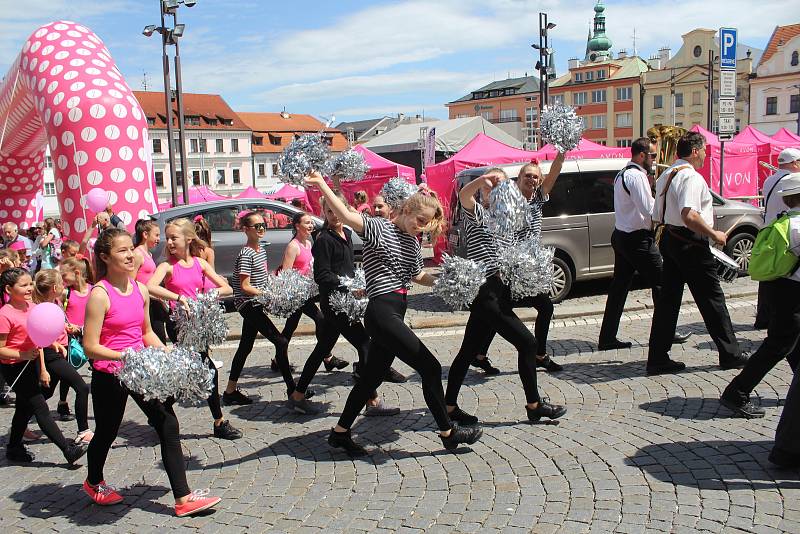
<point x="97" y="199"/>
<point x="45" y="324"/>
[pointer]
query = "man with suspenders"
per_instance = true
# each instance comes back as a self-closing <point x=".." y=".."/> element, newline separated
<point x="632" y="240"/>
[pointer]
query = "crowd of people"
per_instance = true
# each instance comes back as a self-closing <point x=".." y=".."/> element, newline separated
<point x="122" y="299"/>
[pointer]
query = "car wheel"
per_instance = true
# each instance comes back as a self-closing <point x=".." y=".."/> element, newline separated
<point x="562" y="280"/>
<point x="739" y="247"/>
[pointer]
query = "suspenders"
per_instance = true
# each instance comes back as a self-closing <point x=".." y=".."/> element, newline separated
<point x="621" y="174"/>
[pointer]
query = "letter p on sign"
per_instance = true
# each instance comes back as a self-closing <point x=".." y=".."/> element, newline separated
<point x="727" y="46"/>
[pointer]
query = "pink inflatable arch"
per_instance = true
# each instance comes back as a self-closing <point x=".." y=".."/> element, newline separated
<point x="65" y="90"/>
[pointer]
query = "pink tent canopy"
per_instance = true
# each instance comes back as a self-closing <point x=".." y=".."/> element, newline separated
<point x="250" y="192"/>
<point x="586" y="149"/>
<point x="371" y="186"/>
<point x="380" y="167"/>
<point x="767" y="148"/>
<point x="197" y="195"/>
<point x="740" y="166"/>
<point x="785" y="136"/>
<point x="287" y="192"/>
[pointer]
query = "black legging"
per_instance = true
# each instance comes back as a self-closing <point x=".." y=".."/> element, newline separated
<point x="390" y="336"/>
<point x="108" y="399"/>
<point x="62" y="371"/>
<point x="311" y="311"/>
<point x="328" y="331"/>
<point x="492" y="311"/>
<point x="30" y="402"/>
<point x="159" y="318"/>
<point x="255" y="321"/>
<point x="213" y="399"/>
<point x="544" y="314"/>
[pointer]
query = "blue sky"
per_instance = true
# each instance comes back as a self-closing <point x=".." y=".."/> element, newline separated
<point x="363" y="59"/>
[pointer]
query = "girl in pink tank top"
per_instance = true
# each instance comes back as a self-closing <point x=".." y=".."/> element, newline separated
<point x="76" y="295"/>
<point x="147" y="237"/>
<point x="117" y="319"/>
<point x="184" y="275"/>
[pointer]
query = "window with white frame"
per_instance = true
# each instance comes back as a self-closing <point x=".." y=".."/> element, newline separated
<point x="578" y="76"/>
<point x="220" y="176"/>
<point x="678" y="100"/>
<point x="531" y="115"/>
<point x="658" y="101"/>
<point x="193" y="146"/>
<point x="624" y="120"/>
<point x="262" y="169"/>
<point x="487" y="115"/>
<point x="508" y="115"/>
<point x="624" y="142"/>
<point x="237" y="179"/>
<point x="601" y="74"/>
<point x="234" y="145"/>
<point x="203" y="146"/>
<point x="598" y="122"/>
<point x="156" y="146"/>
<point x="49" y="189"/>
<point x="624" y="93"/>
<point x="598" y="95"/>
<point x="579" y="99"/>
<point x="220" y="146"/>
<point x="275" y="170"/>
<point x="589" y="75"/>
<point x="556" y="99"/>
<point x="159" y="178"/>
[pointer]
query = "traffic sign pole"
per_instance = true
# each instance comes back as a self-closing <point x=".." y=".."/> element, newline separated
<point x="726" y="122"/>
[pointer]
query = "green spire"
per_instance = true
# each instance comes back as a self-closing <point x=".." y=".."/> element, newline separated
<point x="599" y="45"/>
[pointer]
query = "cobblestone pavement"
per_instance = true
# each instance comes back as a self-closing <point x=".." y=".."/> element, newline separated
<point x="634" y="454"/>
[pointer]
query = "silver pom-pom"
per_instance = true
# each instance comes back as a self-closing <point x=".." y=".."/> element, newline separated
<point x="527" y="268"/>
<point x="561" y="127"/>
<point x="350" y="166"/>
<point x="459" y="281"/>
<point x="507" y="210"/>
<point x="396" y="191"/>
<point x="156" y="373"/>
<point x="204" y="324"/>
<point x="286" y="292"/>
<point x="348" y="303"/>
<point x="307" y="153"/>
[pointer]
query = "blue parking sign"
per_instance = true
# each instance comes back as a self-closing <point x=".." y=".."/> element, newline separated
<point x="727" y="48"/>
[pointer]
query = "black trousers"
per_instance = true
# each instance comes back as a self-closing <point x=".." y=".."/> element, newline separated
<point x="30" y="402"/>
<point x="633" y="252"/>
<point x="541" y="328"/>
<point x="255" y="321"/>
<point x="329" y="329"/>
<point x="783" y="334"/>
<point x="108" y="399"/>
<point x="492" y="311"/>
<point x="159" y="318"/>
<point x="787" y="435"/>
<point x="213" y="399"/>
<point x="310" y="310"/>
<point x="692" y="264"/>
<point x="62" y="371"/>
<point x="390" y="336"/>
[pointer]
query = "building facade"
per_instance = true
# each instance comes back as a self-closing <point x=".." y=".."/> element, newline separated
<point x="511" y="104"/>
<point x="676" y="90"/>
<point x="217" y="143"/>
<point x="775" y="90"/>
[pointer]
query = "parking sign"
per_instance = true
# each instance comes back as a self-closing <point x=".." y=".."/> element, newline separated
<point x="727" y="48"/>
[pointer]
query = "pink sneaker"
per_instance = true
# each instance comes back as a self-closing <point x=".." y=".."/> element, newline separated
<point x="102" y="493"/>
<point x="198" y="501"/>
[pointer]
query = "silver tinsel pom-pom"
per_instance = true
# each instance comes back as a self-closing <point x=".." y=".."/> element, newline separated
<point x="527" y="268"/>
<point x="286" y="292"/>
<point x="204" y="325"/>
<point x="307" y="153"/>
<point x="350" y="166"/>
<point x="459" y="281"/>
<point x="156" y="373"/>
<point x="347" y="302"/>
<point x="507" y="210"/>
<point x="396" y="191"/>
<point x="561" y="127"/>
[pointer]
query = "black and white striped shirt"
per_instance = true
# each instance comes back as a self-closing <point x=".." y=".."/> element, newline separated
<point x="533" y="217"/>
<point x="481" y="243"/>
<point x="391" y="256"/>
<point x="251" y="263"/>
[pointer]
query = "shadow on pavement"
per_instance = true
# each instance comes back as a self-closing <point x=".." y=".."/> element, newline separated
<point x="714" y="464"/>
<point x="697" y="408"/>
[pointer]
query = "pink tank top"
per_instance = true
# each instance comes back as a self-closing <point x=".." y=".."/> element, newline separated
<point x="304" y="260"/>
<point x="186" y="281"/>
<point x="122" y="325"/>
<point x="147" y="269"/>
<point x="76" y="306"/>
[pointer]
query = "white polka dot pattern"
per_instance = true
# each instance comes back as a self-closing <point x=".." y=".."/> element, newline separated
<point x="65" y="90"/>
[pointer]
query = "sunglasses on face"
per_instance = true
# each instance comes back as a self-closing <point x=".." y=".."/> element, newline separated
<point x="652" y="154"/>
<point x="258" y="226"/>
<point x="530" y="175"/>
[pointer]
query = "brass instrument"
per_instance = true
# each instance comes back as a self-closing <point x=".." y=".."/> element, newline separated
<point x="667" y="139"/>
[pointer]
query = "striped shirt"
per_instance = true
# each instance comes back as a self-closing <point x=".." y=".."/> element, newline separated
<point x="251" y="263"/>
<point x="533" y="217"/>
<point x="391" y="257"/>
<point x="481" y="243"/>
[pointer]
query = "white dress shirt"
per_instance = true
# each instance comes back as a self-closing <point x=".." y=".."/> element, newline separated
<point x="794" y="240"/>
<point x="775" y="205"/>
<point x="632" y="209"/>
<point x="687" y="190"/>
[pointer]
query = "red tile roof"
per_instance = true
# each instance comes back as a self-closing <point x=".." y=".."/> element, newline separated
<point x="277" y="130"/>
<point x="207" y="107"/>
<point x="781" y="34"/>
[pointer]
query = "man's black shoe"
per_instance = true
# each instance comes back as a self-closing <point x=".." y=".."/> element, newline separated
<point x="394" y="376"/>
<point x="545" y="409"/>
<point x="462" y="418"/>
<point x="343" y="440"/>
<point x="335" y="363"/>
<point x="19" y="454"/>
<point x="614" y="344"/>
<point x="486" y="365"/>
<point x="461" y="434"/>
<point x="739" y="403"/>
<point x="670" y="366"/>
<point x="735" y="363"/>
<point x="548" y="364"/>
<point x="677" y="339"/>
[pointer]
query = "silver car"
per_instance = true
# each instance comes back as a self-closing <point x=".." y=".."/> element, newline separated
<point x="579" y="219"/>
<point x="226" y="236"/>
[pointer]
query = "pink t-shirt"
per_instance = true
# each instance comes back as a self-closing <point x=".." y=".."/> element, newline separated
<point x="122" y="325"/>
<point x="14" y="324"/>
<point x="76" y="306"/>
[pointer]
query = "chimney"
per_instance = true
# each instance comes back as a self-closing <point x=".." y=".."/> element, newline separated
<point x="573" y="63"/>
<point x="664" y="54"/>
<point x="654" y="62"/>
<point x="622" y="54"/>
<point x="284" y="114"/>
<point x="400" y="117"/>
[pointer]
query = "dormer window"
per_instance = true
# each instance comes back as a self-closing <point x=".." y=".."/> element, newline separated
<point x="274" y="140"/>
<point x="578" y="76"/>
<point x="793" y="62"/>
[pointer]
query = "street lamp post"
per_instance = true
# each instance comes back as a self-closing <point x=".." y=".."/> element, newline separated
<point x="179" y="93"/>
<point x="543" y="65"/>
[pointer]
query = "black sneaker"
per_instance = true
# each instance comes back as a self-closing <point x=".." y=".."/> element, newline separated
<point x="226" y="430"/>
<point x="614" y="344"/>
<point x="274" y="366"/>
<point x="343" y="440"/>
<point x="548" y="364"/>
<point x="19" y="454"/>
<point x="461" y="434"/>
<point x="545" y="409"/>
<point x="63" y="412"/>
<point x="302" y="406"/>
<point x="486" y="365"/>
<point x="237" y="397"/>
<point x="462" y="418"/>
<point x="740" y="404"/>
<point x="75" y="451"/>
<point x="667" y="367"/>
<point x="335" y="363"/>
<point x="735" y="363"/>
<point x="308" y="394"/>
<point x="395" y="377"/>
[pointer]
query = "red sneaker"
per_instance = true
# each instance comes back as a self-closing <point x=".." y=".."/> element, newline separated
<point x="102" y="493"/>
<point x="198" y="501"/>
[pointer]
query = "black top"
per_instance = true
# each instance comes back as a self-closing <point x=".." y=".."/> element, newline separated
<point x="333" y="257"/>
